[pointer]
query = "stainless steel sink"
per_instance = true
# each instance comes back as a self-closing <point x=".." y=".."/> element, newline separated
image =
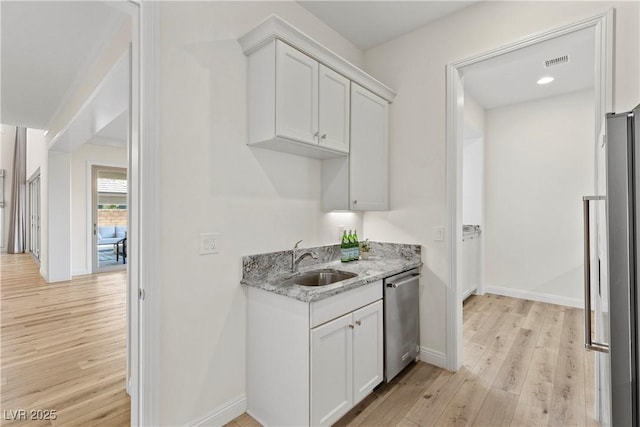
<point x="319" y="278"/>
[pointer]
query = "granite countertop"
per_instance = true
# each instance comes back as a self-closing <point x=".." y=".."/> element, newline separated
<point x="386" y="260"/>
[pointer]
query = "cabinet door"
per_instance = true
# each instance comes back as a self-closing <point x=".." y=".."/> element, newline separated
<point x="369" y="153"/>
<point x="334" y="110"/>
<point x="331" y="370"/>
<point x="296" y="95"/>
<point x="367" y="350"/>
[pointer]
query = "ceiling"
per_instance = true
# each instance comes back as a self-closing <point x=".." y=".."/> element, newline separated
<point x="46" y="46"/>
<point x="511" y="78"/>
<point x="370" y="23"/>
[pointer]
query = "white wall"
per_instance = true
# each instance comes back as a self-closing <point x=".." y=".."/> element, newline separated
<point x="211" y="181"/>
<point x="539" y="164"/>
<point x="81" y="160"/>
<point x="473" y="162"/>
<point x="8" y="141"/>
<point x="414" y="65"/>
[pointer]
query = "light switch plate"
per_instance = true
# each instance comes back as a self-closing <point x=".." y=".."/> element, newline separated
<point x="209" y="243"/>
<point x="438" y="233"/>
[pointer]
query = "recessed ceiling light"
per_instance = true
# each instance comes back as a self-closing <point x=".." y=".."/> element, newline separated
<point x="545" y="80"/>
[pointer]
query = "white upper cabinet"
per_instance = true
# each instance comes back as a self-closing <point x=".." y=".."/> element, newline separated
<point x="298" y="92"/>
<point x="369" y="160"/>
<point x="296" y="95"/>
<point x="303" y="109"/>
<point x="361" y="181"/>
<point x="334" y="93"/>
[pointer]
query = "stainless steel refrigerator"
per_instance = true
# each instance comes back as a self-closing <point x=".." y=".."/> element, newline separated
<point x="612" y="257"/>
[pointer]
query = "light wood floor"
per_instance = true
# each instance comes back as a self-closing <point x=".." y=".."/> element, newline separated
<point x="525" y="365"/>
<point x="63" y="346"/>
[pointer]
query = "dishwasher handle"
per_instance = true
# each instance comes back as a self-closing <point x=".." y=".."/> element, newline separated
<point x="405" y="281"/>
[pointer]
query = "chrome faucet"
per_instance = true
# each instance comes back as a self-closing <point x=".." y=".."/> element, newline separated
<point x="295" y="260"/>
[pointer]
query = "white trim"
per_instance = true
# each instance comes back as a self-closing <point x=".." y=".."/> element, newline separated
<point x="223" y="414"/>
<point x="146" y="253"/>
<point x="603" y="24"/>
<point x="90" y="164"/>
<point x="535" y="296"/>
<point x="274" y="27"/>
<point x="434" y="357"/>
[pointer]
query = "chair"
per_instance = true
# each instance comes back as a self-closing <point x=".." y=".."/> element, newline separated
<point x="121" y="249"/>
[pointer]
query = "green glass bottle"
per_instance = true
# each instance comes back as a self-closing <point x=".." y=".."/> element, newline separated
<point x="356" y="245"/>
<point x="352" y="252"/>
<point x="344" y="247"/>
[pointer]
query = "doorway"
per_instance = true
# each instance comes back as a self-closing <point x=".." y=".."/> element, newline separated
<point x="109" y="203"/>
<point x="602" y="27"/>
<point x="34" y="215"/>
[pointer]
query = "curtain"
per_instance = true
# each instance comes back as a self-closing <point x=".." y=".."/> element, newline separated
<point x="18" y="219"/>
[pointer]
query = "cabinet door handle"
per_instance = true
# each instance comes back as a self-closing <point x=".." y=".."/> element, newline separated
<point x="358" y="323"/>
<point x="315" y="135"/>
<point x="324" y="136"/>
<point x="355" y="202"/>
<point x="351" y="325"/>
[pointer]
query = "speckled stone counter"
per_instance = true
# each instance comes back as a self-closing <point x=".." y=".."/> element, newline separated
<point x="268" y="271"/>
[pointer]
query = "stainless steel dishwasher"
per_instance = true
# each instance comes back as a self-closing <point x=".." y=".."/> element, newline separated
<point x="401" y="322"/>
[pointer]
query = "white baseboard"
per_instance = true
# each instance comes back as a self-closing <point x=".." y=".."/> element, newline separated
<point x="534" y="296"/>
<point x="468" y="293"/>
<point x="223" y="414"/>
<point x="436" y="358"/>
<point x="82" y="272"/>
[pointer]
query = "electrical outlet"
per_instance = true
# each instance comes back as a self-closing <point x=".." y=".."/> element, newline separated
<point x="340" y="232"/>
<point x="209" y="243"/>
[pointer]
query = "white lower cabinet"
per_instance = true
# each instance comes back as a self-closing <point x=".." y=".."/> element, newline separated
<point x="346" y="362"/>
<point x="310" y="363"/>
<point x="470" y="264"/>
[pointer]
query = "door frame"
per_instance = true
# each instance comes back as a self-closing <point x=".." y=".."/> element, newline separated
<point x="35" y="176"/>
<point x="92" y="212"/>
<point x="143" y="253"/>
<point x="603" y="24"/>
<point x="143" y="303"/>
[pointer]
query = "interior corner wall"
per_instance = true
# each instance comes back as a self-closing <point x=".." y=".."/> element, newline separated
<point x="8" y="141"/>
<point x="211" y="181"/>
<point x="81" y="160"/>
<point x="414" y="65"/>
<point x="58" y="219"/>
<point x="539" y="164"/>
<point x="473" y="162"/>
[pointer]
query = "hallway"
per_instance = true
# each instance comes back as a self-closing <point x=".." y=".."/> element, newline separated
<point x="63" y="347"/>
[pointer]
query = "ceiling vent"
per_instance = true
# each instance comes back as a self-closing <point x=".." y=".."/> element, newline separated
<point x="556" y="61"/>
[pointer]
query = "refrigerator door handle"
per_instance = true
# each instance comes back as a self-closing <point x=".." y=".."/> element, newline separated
<point x="589" y="344"/>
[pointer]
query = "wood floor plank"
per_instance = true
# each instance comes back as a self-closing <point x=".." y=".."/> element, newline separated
<point x="516" y="365"/>
<point x="392" y="410"/>
<point x="63" y="345"/>
<point x="568" y="399"/>
<point x="497" y="409"/>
